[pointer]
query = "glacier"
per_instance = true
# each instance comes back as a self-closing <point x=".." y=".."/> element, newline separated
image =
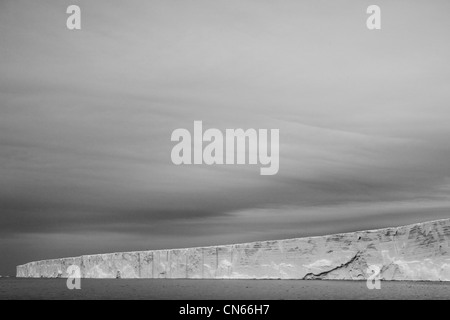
<point x="417" y="252"/>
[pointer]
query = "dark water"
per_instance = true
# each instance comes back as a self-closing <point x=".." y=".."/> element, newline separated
<point x="11" y="288"/>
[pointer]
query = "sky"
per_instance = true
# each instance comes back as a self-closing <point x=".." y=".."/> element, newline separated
<point x="86" y="119"/>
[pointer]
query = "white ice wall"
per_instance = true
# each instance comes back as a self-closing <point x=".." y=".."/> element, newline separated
<point x="415" y="252"/>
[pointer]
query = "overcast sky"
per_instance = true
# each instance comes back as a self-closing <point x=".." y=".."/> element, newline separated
<point x="86" y="119"/>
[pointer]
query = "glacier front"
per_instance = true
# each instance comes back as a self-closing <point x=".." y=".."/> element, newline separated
<point x="418" y="252"/>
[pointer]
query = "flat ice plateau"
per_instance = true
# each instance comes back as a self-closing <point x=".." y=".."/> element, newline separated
<point x="417" y="252"/>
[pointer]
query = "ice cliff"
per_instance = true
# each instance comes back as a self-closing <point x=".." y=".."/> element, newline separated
<point x="414" y="252"/>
